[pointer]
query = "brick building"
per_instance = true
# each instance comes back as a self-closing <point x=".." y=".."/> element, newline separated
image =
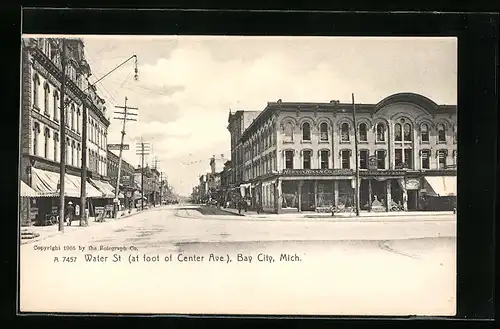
<point x="127" y="184"/>
<point x="299" y="156"/>
<point x="40" y="127"/>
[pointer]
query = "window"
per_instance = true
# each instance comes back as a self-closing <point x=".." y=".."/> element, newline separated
<point x="344" y="131"/>
<point x="306" y="131"/>
<point x="46" y="99"/>
<point x="380" y="159"/>
<point x="72" y="118"/>
<point x="424" y="133"/>
<point x="36" y="132"/>
<point x="73" y="157"/>
<point x="67" y="109"/>
<point x="323" y="132"/>
<point x="46" y="143"/>
<point x="346" y="159"/>
<point x="78" y="113"/>
<point x="398" y="135"/>
<point x="288" y="129"/>
<point x="442" y="159"/>
<point x="324" y="160"/>
<point x="56" y="148"/>
<point x="36" y="83"/>
<point x="441" y="133"/>
<point x="363" y="159"/>
<point x="426" y="161"/>
<point x="380" y="132"/>
<point x="56" y="106"/>
<point x="407" y="132"/>
<point x="408" y="158"/>
<point x="403" y="158"/>
<point x="455" y="134"/>
<point x="363" y="132"/>
<point x="398" y="158"/>
<point x="306" y="161"/>
<point x="289" y="159"/>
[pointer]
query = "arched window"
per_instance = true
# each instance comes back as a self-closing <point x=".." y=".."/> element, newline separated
<point x="407" y="132"/>
<point x="288" y="130"/>
<point x="36" y="132"/>
<point x="56" y="105"/>
<point x="306" y="159"/>
<point x="36" y="83"/>
<point x="398" y="134"/>
<point x="72" y="117"/>
<point x="56" y="146"/>
<point x="441" y="133"/>
<point x="46" y="99"/>
<point x="46" y="136"/>
<point x="73" y="153"/>
<point x="363" y="136"/>
<point x="441" y="155"/>
<point x="424" y="133"/>
<point x="323" y="131"/>
<point x="306" y="131"/>
<point x="78" y="113"/>
<point x="380" y="132"/>
<point x="344" y="131"/>
<point x="289" y="155"/>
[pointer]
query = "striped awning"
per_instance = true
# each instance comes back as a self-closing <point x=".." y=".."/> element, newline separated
<point x="26" y="191"/>
<point x="106" y="189"/>
<point x="441" y="185"/>
<point x="46" y="183"/>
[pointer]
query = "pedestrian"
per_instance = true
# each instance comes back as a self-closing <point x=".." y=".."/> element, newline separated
<point x="239" y="206"/>
<point x="70" y="212"/>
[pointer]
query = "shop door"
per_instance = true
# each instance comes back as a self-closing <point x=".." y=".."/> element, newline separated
<point x="412" y="200"/>
<point x="307" y="197"/>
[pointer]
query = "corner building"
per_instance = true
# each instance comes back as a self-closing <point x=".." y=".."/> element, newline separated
<point x="300" y="156"/>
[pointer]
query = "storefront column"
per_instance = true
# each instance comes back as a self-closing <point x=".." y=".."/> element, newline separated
<point x="336" y="192"/>
<point x="388" y="196"/>
<point x="315" y="194"/>
<point x="405" y="196"/>
<point x="299" y="190"/>
<point x="278" y="196"/>
<point x="369" y="195"/>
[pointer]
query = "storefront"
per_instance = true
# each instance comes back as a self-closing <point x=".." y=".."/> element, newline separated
<point x="439" y="193"/>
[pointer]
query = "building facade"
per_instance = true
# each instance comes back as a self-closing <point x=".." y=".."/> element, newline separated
<point x="127" y="183"/>
<point x="300" y="156"/>
<point x="41" y="129"/>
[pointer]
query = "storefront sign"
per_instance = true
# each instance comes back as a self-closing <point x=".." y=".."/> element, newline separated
<point x="317" y="172"/>
<point x="116" y="147"/>
<point x="412" y="184"/>
<point x="372" y="163"/>
<point x="99" y="210"/>
<point x="382" y="173"/>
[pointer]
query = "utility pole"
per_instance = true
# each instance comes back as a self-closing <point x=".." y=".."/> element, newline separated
<point x="356" y="153"/>
<point x="62" y="120"/>
<point x="83" y="180"/>
<point x="155" y="166"/>
<point x="125" y="112"/>
<point x="142" y="149"/>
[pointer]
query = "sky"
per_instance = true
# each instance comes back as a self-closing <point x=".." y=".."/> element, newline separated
<point x="188" y="84"/>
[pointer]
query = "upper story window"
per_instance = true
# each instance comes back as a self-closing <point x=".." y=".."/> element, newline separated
<point x="46" y="98"/>
<point x="380" y="159"/>
<point x="363" y="132"/>
<point x="36" y="132"/>
<point x="289" y="159"/>
<point x="46" y="143"/>
<point x="380" y="132"/>
<point x="306" y="161"/>
<point x="36" y="83"/>
<point x="56" y="105"/>
<point x="402" y="132"/>
<point x="441" y="130"/>
<point x="441" y="155"/>
<point x="344" y="132"/>
<point x="398" y="133"/>
<point x="306" y="131"/>
<point x="363" y="159"/>
<point x="424" y="133"/>
<point x="425" y="159"/>
<point x="288" y="129"/>
<point x="455" y="128"/>
<point x="407" y="132"/>
<point x="346" y="159"/>
<point x="323" y="132"/>
<point x="324" y="155"/>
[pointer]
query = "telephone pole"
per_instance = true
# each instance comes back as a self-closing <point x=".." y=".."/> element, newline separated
<point x="155" y="166"/>
<point x="142" y="149"/>
<point x="125" y="113"/>
<point x="356" y="154"/>
<point x="83" y="180"/>
<point x="62" y="120"/>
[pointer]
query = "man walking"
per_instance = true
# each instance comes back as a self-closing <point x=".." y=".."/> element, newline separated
<point x="70" y="212"/>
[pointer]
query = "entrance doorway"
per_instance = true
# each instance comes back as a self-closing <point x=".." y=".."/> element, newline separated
<point x="412" y="200"/>
<point x="307" y="196"/>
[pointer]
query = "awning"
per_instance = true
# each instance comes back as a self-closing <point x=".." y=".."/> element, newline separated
<point x="137" y="195"/>
<point x="45" y="182"/>
<point x="106" y="188"/>
<point x="441" y="185"/>
<point x="28" y="192"/>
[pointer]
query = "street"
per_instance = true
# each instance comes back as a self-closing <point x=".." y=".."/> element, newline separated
<point x="175" y="260"/>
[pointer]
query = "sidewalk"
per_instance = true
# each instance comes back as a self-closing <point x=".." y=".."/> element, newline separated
<point x="364" y="214"/>
<point x="38" y="233"/>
